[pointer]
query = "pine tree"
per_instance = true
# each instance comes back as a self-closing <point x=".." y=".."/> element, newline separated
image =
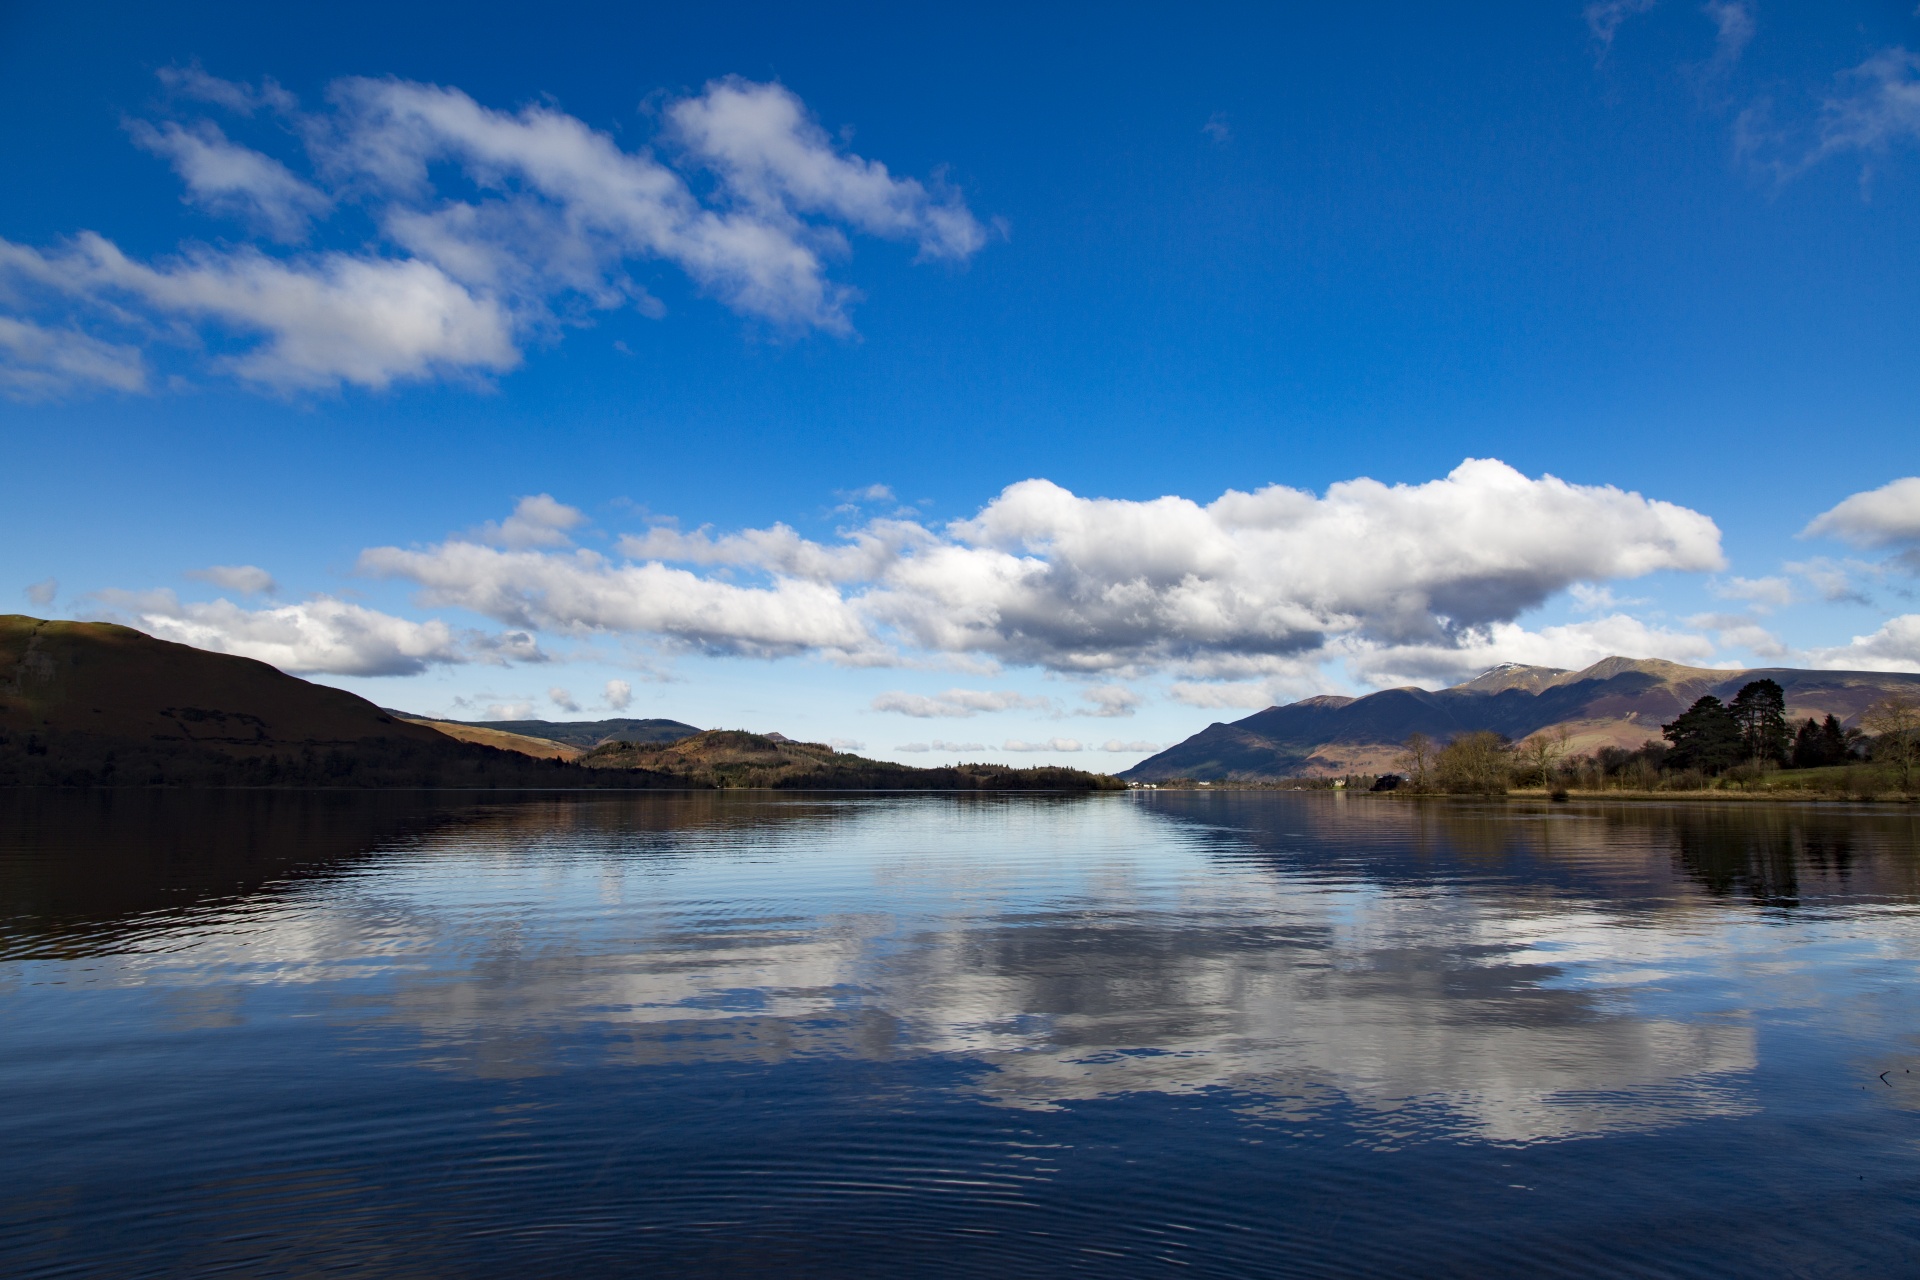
<point x="1760" y="709"/>
<point x="1704" y="737"/>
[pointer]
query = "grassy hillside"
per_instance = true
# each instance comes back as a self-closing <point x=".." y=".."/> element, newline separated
<point x="733" y="758"/>
<point x="538" y="748"/>
<point x="584" y="734"/>
<point x="1618" y="702"/>
<point x="89" y="703"/>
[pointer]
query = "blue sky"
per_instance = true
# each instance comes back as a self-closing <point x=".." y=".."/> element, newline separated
<point x="875" y="377"/>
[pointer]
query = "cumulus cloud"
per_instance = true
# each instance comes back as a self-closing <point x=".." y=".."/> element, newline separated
<point x="494" y="228"/>
<point x="1884" y="517"/>
<point x="537" y="521"/>
<point x="1894" y="647"/>
<point x="1569" y="647"/>
<point x="1118" y="747"/>
<point x="247" y="579"/>
<point x="1252" y="584"/>
<point x="40" y="363"/>
<point x="618" y="695"/>
<point x="521" y="710"/>
<point x="562" y="699"/>
<point x="846" y="744"/>
<point x="916" y="748"/>
<point x="320" y="636"/>
<point x="956" y="703"/>
<point x="42" y="592"/>
<point x="1051" y="744"/>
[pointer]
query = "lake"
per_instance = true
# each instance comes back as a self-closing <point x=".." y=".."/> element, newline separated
<point x="1173" y="1033"/>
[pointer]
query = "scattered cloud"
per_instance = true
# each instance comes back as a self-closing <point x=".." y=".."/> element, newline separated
<point x="522" y="710"/>
<point x="319" y="636"/>
<point x="1051" y="744"/>
<point x="493" y="229"/>
<point x="562" y="699"/>
<point x="42" y="592"/>
<point x="1569" y="647"/>
<point x="39" y="363"/>
<point x="956" y="703"/>
<point x="1894" y="647"/>
<point x="1878" y="106"/>
<point x="846" y="744"/>
<point x="1604" y="18"/>
<point x="1110" y="700"/>
<point x="618" y="695"/>
<point x="233" y="181"/>
<point x="1257" y="695"/>
<point x="1763" y="593"/>
<point x="1885" y="517"/>
<point x="537" y="521"/>
<point x="1118" y="747"/>
<point x="247" y="579"/>
<point x="1834" y="579"/>
<point x="937" y="745"/>
<point x="1217" y="129"/>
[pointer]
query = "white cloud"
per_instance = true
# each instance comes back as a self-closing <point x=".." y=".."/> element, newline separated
<point x="1881" y="106"/>
<point x="42" y="592"/>
<point x="38" y="363"/>
<point x="1251" y="584"/>
<point x="1766" y="593"/>
<point x="1051" y="744"/>
<point x="322" y="320"/>
<point x="225" y="178"/>
<point x="245" y="578"/>
<point x="938" y="745"/>
<point x="846" y="744"/>
<point x="1883" y="517"/>
<point x="1109" y="700"/>
<point x="1894" y="647"/>
<point x="522" y="710"/>
<point x="583" y="591"/>
<point x="537" y="521"/>
<point x="1570" y="647"/>
<point x="774" y="160"/>
<point x="1834" y="579"/>
<point x="618" y="695"/>
<point x="493" y="228"/>
<point x="562" y="699"/>
<point x="320" y="636"/>
<point x="1117" y="746"/>
<point x="956" y="703"/>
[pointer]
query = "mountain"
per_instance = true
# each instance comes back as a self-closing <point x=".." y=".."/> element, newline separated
<point x="93" y="703"/>
<point x="1615" y="702"/>
<point x="733" y="758"/>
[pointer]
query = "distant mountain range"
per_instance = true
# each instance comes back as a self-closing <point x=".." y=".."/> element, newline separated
<point x="1615" y="702"/>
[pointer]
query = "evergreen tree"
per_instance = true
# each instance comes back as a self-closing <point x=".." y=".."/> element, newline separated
<point x="1818" y="744"/>
<point x="1704" y="737"/>
<point x="1760" y="709"/>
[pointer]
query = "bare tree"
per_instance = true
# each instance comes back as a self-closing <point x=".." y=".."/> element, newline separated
<point x="1543" y="752"/>
<point x="1894" y="722"/>
<point x="1418" y="761"/>
<point x="1473" y="764"/>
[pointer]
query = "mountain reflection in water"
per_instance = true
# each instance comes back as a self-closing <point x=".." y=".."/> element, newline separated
<point x="320" y="996"/>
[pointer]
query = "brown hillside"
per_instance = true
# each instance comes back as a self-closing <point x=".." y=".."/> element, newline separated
<point x="734" y="758"/>
<point x="538" y="748"/>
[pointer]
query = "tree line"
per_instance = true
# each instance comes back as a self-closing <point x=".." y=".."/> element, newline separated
<point x="1710" y="743"/>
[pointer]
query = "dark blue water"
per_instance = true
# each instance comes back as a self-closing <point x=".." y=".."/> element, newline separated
<point x="1171" y="1034"/>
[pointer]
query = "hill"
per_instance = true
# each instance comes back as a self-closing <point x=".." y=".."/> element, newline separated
<point x="732" y="758"/>
<point x="584" y="734"/>
<point x="538" y="748"/>
<point x="1616" y="702"/>
<point x="92" y="703"/>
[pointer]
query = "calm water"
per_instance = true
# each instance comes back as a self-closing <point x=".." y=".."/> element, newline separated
<point x="1171" y="1034"/>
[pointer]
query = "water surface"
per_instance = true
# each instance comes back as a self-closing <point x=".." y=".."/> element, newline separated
<point x="1234" y="1034"/>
